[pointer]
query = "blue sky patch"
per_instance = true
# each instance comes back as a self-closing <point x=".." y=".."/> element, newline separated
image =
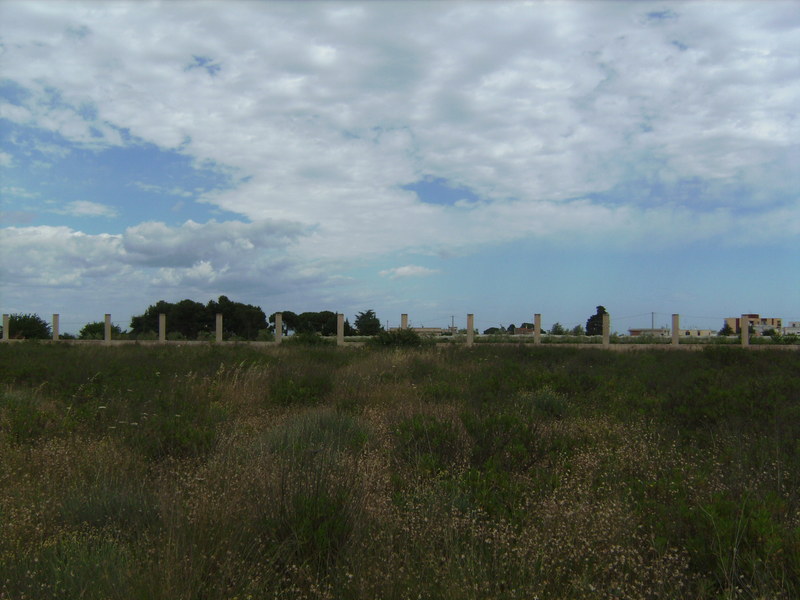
<point x="662" y="15"/>
<point x="137" y="182"/>
<point x="13" y="93"/>
<point x="436" y="190"/>
<point x="204" y="62"/>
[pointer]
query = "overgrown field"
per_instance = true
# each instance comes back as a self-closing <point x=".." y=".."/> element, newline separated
<point x="211" y="472"/>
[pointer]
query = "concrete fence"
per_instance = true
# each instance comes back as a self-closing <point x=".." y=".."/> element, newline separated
<point x="469" y="338"/>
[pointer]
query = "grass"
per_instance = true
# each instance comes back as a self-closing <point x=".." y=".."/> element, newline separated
<point x="306" y="471"/>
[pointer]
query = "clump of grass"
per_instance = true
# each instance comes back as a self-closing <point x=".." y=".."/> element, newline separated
<point x="300" y="388"/>
<point x="318" y="430"/>
<point x="23" y="416"/>
<point x="429" y="443"/>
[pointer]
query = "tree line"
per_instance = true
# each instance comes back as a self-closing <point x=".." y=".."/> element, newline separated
<point x="191" y="320"/>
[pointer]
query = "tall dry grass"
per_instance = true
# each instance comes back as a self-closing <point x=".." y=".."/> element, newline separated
<point x="450" y="473"/>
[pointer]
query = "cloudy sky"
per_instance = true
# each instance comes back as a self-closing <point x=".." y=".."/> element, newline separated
<point x="434" y="158"/>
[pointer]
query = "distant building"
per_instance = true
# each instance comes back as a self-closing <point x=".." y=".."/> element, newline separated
<point x="428" y="330"/>
<point x="698" y="333"/>
<point x="793" y="328"/>
<point x="760" y="324"/>
<point x="647" y="332"/>
<point x="665" y="333"/>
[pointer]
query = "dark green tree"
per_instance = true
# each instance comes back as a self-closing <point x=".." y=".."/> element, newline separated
<point x="349" y="329"/>
<point x="726" y="330"/>
<point x="28" y="327"/>
<point x="238" y="319"/>
<point x="186" y="317"/>
<point x="323" y="322"/>
<point x="558" y="329"/>
<point x="189" y="318"/>
<point x="289" y="319"/>
<point x="594" y="325"/>
<point x="97" y="331"/>
<point x="367" y="323"/>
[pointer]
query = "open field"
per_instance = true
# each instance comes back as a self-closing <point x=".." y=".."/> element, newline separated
<point x="211" y="472"/>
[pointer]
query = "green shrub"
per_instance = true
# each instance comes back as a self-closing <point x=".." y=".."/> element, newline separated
<point x="21" y="416"/>
<point x="546" y="402"/>
<point x="307" y="338"/>
<point x="300" y="387"/>
<point x="501" y="440"/>
<point x="28" y="326"/>
<point x="119" y="502"/>
<point x="428" y="443"/>
<point x="83" y="564"/>
<point x="265" y="335"/>
<point x="400" y="338"/>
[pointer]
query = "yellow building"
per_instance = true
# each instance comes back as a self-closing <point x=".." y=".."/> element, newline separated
<point x="759" y="324"/>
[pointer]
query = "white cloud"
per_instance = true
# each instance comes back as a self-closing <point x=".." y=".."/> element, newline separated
<point x="18" y="192"/>
<point x="6" y="160"/>
<point x="158" y="244"/>
<point x="56" y="256"/>
<point x="85" y="208"/>
<point x="159" y="189"/>
<point x="407" y="271"/>
<point x="248" y="261"/>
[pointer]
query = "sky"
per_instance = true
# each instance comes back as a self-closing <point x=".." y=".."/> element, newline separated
<point x="430" y="158"/>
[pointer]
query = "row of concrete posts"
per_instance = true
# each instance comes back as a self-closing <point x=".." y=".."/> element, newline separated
<point x="537" y="328"/>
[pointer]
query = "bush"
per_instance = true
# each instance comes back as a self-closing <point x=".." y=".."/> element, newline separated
<point x="97" y="331"/>
<point x="265" y="335"/>
<point x="400" y="338"/>
<point x="307" y="338"/>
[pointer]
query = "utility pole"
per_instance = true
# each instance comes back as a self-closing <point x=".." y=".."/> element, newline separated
<point x="652" y="320"/>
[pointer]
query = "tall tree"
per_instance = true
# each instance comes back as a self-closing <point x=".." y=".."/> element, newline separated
<point x="243" y="320"/>
<point x="323" y="322"/>
<point x="594" y="325"/>
<point x="289" y="319"/>
<point x="367" y="323"/>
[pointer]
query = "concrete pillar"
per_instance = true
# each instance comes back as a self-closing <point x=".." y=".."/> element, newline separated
<point x="676" y="329"/>
<point x="744" y="325"/>
<point x="107" y="330"/>
<point x="470" y="329"/>
<point x="537" y="328"/>
<point x="278" y="327"/>
<point x="55" y="327"/>
<point x="162" y="327"/>
<point x="340" y="329"/>
<point x="219" y="327"/>
<point x="606" y="329"/>
<point x="6" y="321"/>
<point x="404" y="321"/>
